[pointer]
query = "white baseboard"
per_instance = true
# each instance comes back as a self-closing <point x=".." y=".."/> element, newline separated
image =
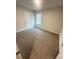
<point x="20" y="30"/>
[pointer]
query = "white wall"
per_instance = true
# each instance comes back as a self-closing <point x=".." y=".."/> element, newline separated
<point x="19" y="56"/>
<point x="20" y="19"/>
<point x="60" y="55"/>
<point x="24" y="18"/>
<point x="52" y="20"/>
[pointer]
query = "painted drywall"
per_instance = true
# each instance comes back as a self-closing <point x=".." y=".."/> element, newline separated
<point x="24" y="18"/>
<point x="60" y="55"/>
<point x="18" y="56"/>
<point x="20" y="19"/>
<point x="52" y="19"/>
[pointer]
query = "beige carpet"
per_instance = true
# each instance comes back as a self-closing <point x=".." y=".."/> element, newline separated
<point x="37" y="44"/>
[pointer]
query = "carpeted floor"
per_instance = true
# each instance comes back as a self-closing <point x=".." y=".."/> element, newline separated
<point x="37" y="44"/>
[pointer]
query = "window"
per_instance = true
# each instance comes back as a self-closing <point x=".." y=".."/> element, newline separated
<point x="29" y="19"/>
<point x="38" y="18"/>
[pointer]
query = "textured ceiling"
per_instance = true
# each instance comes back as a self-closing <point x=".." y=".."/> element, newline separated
<point x="45" y="4"/>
